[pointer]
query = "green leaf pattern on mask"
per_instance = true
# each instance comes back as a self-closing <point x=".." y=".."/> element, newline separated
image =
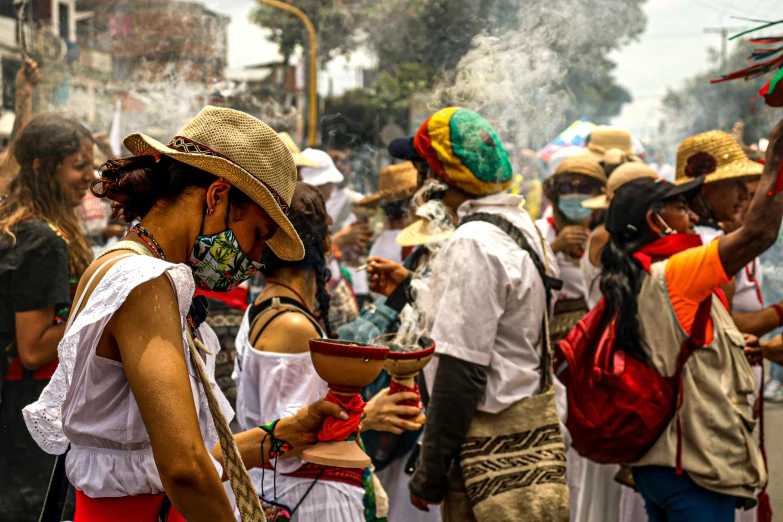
<point x="219" y="264"/>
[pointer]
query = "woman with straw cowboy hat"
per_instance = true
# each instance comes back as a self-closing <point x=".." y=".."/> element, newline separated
<point x="720" y="158"/>
<point x="134" y="397"/>
<point x="397" y="185"/>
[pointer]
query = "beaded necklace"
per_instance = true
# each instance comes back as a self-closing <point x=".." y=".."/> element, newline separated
<point x="155" y="248"/>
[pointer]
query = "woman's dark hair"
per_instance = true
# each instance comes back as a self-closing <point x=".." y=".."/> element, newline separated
<point x="621" y="282"/>
<point x="136" y="183"/>
<point x="397" y="209"/>
<point x="47" y="139"/>
<point x="309" y="217"/>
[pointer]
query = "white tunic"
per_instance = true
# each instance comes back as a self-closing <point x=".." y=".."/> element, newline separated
<point x="274" y="386"/>
<point x="89" y="405"/>
<point x="489" y="302"/>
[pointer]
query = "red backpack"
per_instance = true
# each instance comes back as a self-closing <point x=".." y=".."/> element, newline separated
<point x="617" y="405"/>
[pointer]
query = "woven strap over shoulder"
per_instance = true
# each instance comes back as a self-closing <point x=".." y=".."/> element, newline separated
<point x="248" y="502"/>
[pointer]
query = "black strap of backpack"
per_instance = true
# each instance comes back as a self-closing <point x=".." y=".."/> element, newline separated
<point x="551" y="284"/>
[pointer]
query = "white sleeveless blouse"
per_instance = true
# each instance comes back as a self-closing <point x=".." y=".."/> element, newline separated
<point x="89" y="405"/>
<point x="274" y="386"/>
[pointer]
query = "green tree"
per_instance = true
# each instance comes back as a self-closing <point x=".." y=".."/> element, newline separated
<point x="335" y="21"/>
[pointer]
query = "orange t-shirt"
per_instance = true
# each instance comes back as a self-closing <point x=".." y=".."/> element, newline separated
<point x="691" y="276"/>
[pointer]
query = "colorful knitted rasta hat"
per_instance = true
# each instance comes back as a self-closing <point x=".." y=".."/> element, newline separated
<point x="462" y="148"/>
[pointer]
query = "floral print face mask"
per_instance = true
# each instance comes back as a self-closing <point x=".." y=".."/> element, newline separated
<point x="219" y="264"/>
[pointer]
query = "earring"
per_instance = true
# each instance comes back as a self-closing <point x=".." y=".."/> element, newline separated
<point x="210" y="211"/>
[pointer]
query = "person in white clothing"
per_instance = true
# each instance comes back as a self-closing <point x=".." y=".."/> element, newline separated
<point x="488" y="305"/>
<point x="134" y="395"/>
<point x="275" y="376"/>
<point x="397" y="185"/>
<point x="577" y="179"/>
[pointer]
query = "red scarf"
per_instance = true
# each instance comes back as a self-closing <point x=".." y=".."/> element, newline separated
<point x="665" y="247"/>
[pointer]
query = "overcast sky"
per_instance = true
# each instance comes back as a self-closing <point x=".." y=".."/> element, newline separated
<point x="673" y="47"/>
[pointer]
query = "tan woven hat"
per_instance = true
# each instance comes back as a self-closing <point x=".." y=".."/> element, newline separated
<point x="245" y="152"/>
<point x="584" y="164"/>
<point x="420" y="233"/>
<point x="622" y="175"/>
<point x="605" y="139"/>
<point x="716" y="155"/>
<point x="299" y="160"/>
<point x="434" y="226"/>
<point x="396" y="182"/>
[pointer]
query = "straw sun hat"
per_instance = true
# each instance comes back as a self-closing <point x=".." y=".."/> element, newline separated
<point x="612" y="145"/>
<point x="243" y="151"/>
<point x="396" y="182"/>
<point x="716" y="155"/>
<point x="622" y="175"/>
<point x="434" y="226"/>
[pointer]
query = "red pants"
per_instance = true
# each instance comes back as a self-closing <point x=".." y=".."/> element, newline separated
<point x="138" y="508"/>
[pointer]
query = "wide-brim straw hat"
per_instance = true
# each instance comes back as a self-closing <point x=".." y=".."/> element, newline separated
<point x="611" y="144"/>
<point x="245" y="152"/>
<point x="716" y="155"/>
<point x="583" y="164"/>
<point x="396" y="182"/>
<point x="299" y="159"/>
<point x="622" y="175"/>
<point x="420" y="233"/>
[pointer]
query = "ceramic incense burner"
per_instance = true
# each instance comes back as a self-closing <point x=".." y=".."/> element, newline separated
<point x="346" y="366"/>
<point x="408" y="355"/>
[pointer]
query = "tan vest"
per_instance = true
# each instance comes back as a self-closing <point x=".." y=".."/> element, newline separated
<point x="718" y="449"/>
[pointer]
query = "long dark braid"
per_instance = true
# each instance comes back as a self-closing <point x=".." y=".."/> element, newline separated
<point x="311" y="221"/>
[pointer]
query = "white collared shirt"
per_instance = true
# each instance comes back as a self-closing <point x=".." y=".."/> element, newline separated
<point x="489" y="302"/>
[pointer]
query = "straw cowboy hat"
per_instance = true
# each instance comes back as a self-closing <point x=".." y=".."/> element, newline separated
<point x="612" y="145"/>
<point x="396" y="182"/>
<point x="621" y="176"/>
<point x="300" y="160"/>
<point x="434" y="226"/>
<point x="243" y="151"/>
<point x="716" y="155"/>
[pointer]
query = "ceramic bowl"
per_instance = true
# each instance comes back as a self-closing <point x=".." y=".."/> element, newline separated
<point x="347" y="364"/>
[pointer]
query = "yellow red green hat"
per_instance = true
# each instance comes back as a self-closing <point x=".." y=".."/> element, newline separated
<point x="462" y="148"/>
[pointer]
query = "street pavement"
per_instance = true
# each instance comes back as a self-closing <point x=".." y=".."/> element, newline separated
<point x="773" y="419"/>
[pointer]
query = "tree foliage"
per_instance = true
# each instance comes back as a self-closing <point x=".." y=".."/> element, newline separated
<point x="422" y="45"/>
<point x="336" y="23"/>
<point x="699" y="107"/>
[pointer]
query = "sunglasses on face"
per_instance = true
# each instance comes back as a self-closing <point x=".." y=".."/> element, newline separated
<point x="567" y="187"/>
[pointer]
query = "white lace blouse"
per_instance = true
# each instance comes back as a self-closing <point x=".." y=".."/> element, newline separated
<point x="89" y="404"/>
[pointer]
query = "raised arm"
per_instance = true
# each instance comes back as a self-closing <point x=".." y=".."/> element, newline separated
<point x="760" y="229"/>
<point x="26" y="81"/>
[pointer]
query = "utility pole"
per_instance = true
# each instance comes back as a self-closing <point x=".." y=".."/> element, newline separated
<point x="312" y="101"/>
<point x="724" y="33"/>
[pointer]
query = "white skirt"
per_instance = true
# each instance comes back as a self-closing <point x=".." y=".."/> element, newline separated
<point x="324" y="504"/>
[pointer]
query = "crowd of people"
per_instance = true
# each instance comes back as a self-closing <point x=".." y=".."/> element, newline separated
<point x="158" y="309"/>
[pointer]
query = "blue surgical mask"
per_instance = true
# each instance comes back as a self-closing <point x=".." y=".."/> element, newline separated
<point x="571" y="207"/>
